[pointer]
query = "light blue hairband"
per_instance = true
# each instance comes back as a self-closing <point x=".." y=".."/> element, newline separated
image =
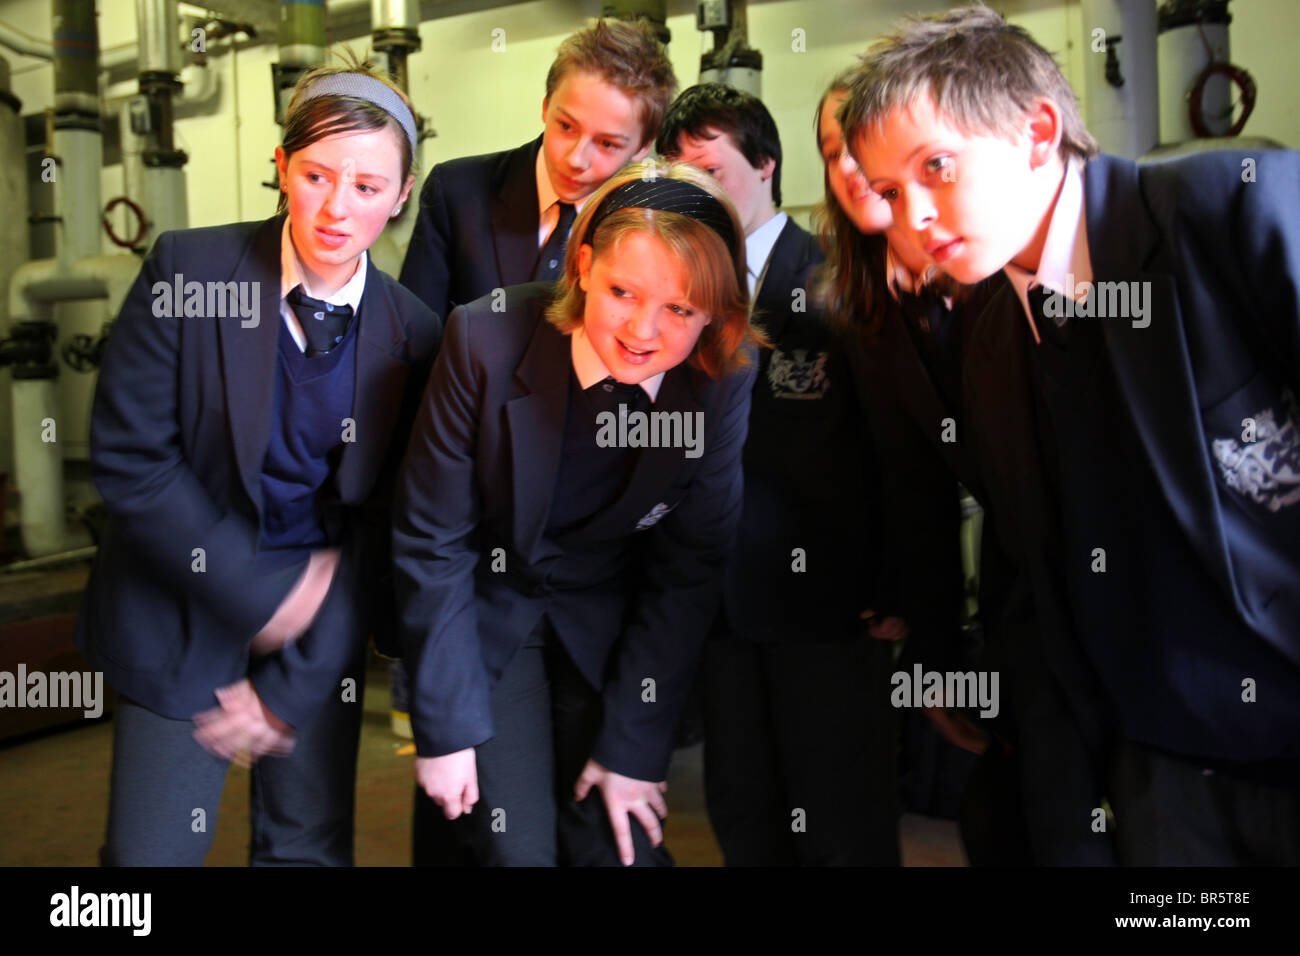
<point x="367" y="88"/>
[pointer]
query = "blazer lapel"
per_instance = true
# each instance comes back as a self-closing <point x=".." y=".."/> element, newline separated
<point x="655" y="468"/>
<point x="515" y="217"/>
<point x="248" y="357"/>
<point x="380" y="373"/>
<point x="536" y="421"/>
<point x="782" y="265"/>
<point x="921" y="397"/>
<point x="1163" y="405"/>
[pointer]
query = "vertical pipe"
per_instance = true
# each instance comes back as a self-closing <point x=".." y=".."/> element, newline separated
<point x="14" y="248"/>
<point x="1124" y="119"/>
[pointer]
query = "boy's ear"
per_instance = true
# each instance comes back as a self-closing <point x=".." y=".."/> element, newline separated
<point x="1044" y="126"/>
<point x="643" y="152"/>
<point x="545" y="102"/>
<point x="584" y="266"/>
<point x="766" y="168"/>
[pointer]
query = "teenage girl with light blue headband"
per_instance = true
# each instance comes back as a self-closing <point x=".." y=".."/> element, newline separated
<point x="243" y="438"/>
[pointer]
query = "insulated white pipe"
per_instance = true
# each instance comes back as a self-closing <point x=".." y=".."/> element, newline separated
<point x="1125" y="120"/>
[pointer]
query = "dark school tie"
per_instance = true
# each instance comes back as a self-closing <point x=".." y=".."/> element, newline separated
<point x="1051" y="328"/>
<point x="550" y="261"/>
<point x="323" y="324"/>
<point x="609" y="393"/>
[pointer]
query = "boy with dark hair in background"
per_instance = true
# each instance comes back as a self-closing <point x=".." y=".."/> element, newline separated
<point x="799" y="742"/>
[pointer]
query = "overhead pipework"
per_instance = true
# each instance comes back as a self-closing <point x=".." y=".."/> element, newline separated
<point x="302" y="47"/>
<point x="731" y="61"/>
<point x="395" y="35"/>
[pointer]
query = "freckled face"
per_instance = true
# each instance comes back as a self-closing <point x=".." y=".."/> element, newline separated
<point x="638" y="317"/>
<point x="342" y="191"/>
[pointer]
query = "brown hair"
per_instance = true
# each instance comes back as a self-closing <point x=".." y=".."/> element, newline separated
<point x="716" y="281"/>
<point x="627" y="56"/>
<point x="850" y="283"/>
<point x="982" y="73"/>
<point x="307" y="121"/>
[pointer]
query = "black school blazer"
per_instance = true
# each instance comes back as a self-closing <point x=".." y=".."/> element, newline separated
<point x="476" y="229"/>
<point x="180" y="427"/>
<point x="479" y="476"/>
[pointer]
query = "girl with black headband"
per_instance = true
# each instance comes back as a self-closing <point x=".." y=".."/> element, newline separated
<point x="562" y="515"/>
<point x="248" y="419"/>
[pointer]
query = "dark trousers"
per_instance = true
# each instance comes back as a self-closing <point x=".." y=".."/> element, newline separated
<point x="166" y="790"/>
<point x="546" y="717"/>
<point x="800" y="749"/>
<point x="1172" y="812"/>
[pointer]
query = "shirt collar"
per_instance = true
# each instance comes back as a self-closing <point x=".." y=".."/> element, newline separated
<point x="759" y="245"/>
<point x="546" y="194"/>
<point x="1065" y="262"/>
<point x="292" y="274"/>
<point x="590" y="369"/>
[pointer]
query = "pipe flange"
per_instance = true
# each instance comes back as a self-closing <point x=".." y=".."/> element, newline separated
<point x="164" y="158"/>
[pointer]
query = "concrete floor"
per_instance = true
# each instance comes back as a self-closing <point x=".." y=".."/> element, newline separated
<point x="54" y="802"/>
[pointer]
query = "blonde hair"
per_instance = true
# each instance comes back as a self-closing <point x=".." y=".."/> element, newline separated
<point x="306" y="121"/>
<point x="716" y="280"/>
<point x="982" y="73"/>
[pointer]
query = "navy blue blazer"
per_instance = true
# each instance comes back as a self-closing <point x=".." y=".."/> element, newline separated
<point x="809" y="473"/>
<point x="475" y="571"/>
<point x="179" y="431"/>
<point x="476" y="229"/>
<point x="1116" y="441"/>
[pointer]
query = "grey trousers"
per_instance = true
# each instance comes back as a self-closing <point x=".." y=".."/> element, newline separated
<point x="166" y="790"/>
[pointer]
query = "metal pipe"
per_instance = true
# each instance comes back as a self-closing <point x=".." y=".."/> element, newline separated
<point x="76" y="61"/>
<point x="51" y="560"/>
<point x="156" y="25"/>
<point x="302" y="46"/>
<point x="27" y="45"/>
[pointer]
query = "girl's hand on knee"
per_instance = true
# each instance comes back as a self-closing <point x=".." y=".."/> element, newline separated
<point x="643" y="799"/>
<point x="451" y="781"/>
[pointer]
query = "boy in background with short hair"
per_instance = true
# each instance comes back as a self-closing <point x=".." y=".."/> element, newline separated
<point x="486" y="222"/>
<point x="799" y="735"/>
<point x="1133" y="401"/>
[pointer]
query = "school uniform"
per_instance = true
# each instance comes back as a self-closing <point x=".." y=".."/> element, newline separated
<point x="799" y="739"/>
<point x="483" y="224"/>
<point x="1015" y="808"/>
<point x="502" y="568"/>
<point x="1163" y="544"/>
<point x="225" y="455"/>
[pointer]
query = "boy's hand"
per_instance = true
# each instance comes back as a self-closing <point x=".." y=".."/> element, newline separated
<point x="886" y="628"/>
<point x="300" y="606"/>
<point x="643" y="799"/>
<point x="242" y="729"/>
<point x="451" y="781"/>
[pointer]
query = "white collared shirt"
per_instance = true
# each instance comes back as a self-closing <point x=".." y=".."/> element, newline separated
<point x="1065" y="265"/>
<point x="590" y="369"/>
<point x="293" y="274"/>
<point x="548" y="209"/>
<point x="758" y="249"/>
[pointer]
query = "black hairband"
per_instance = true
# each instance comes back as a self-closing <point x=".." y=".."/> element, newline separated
<point x="669" y="195"/>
